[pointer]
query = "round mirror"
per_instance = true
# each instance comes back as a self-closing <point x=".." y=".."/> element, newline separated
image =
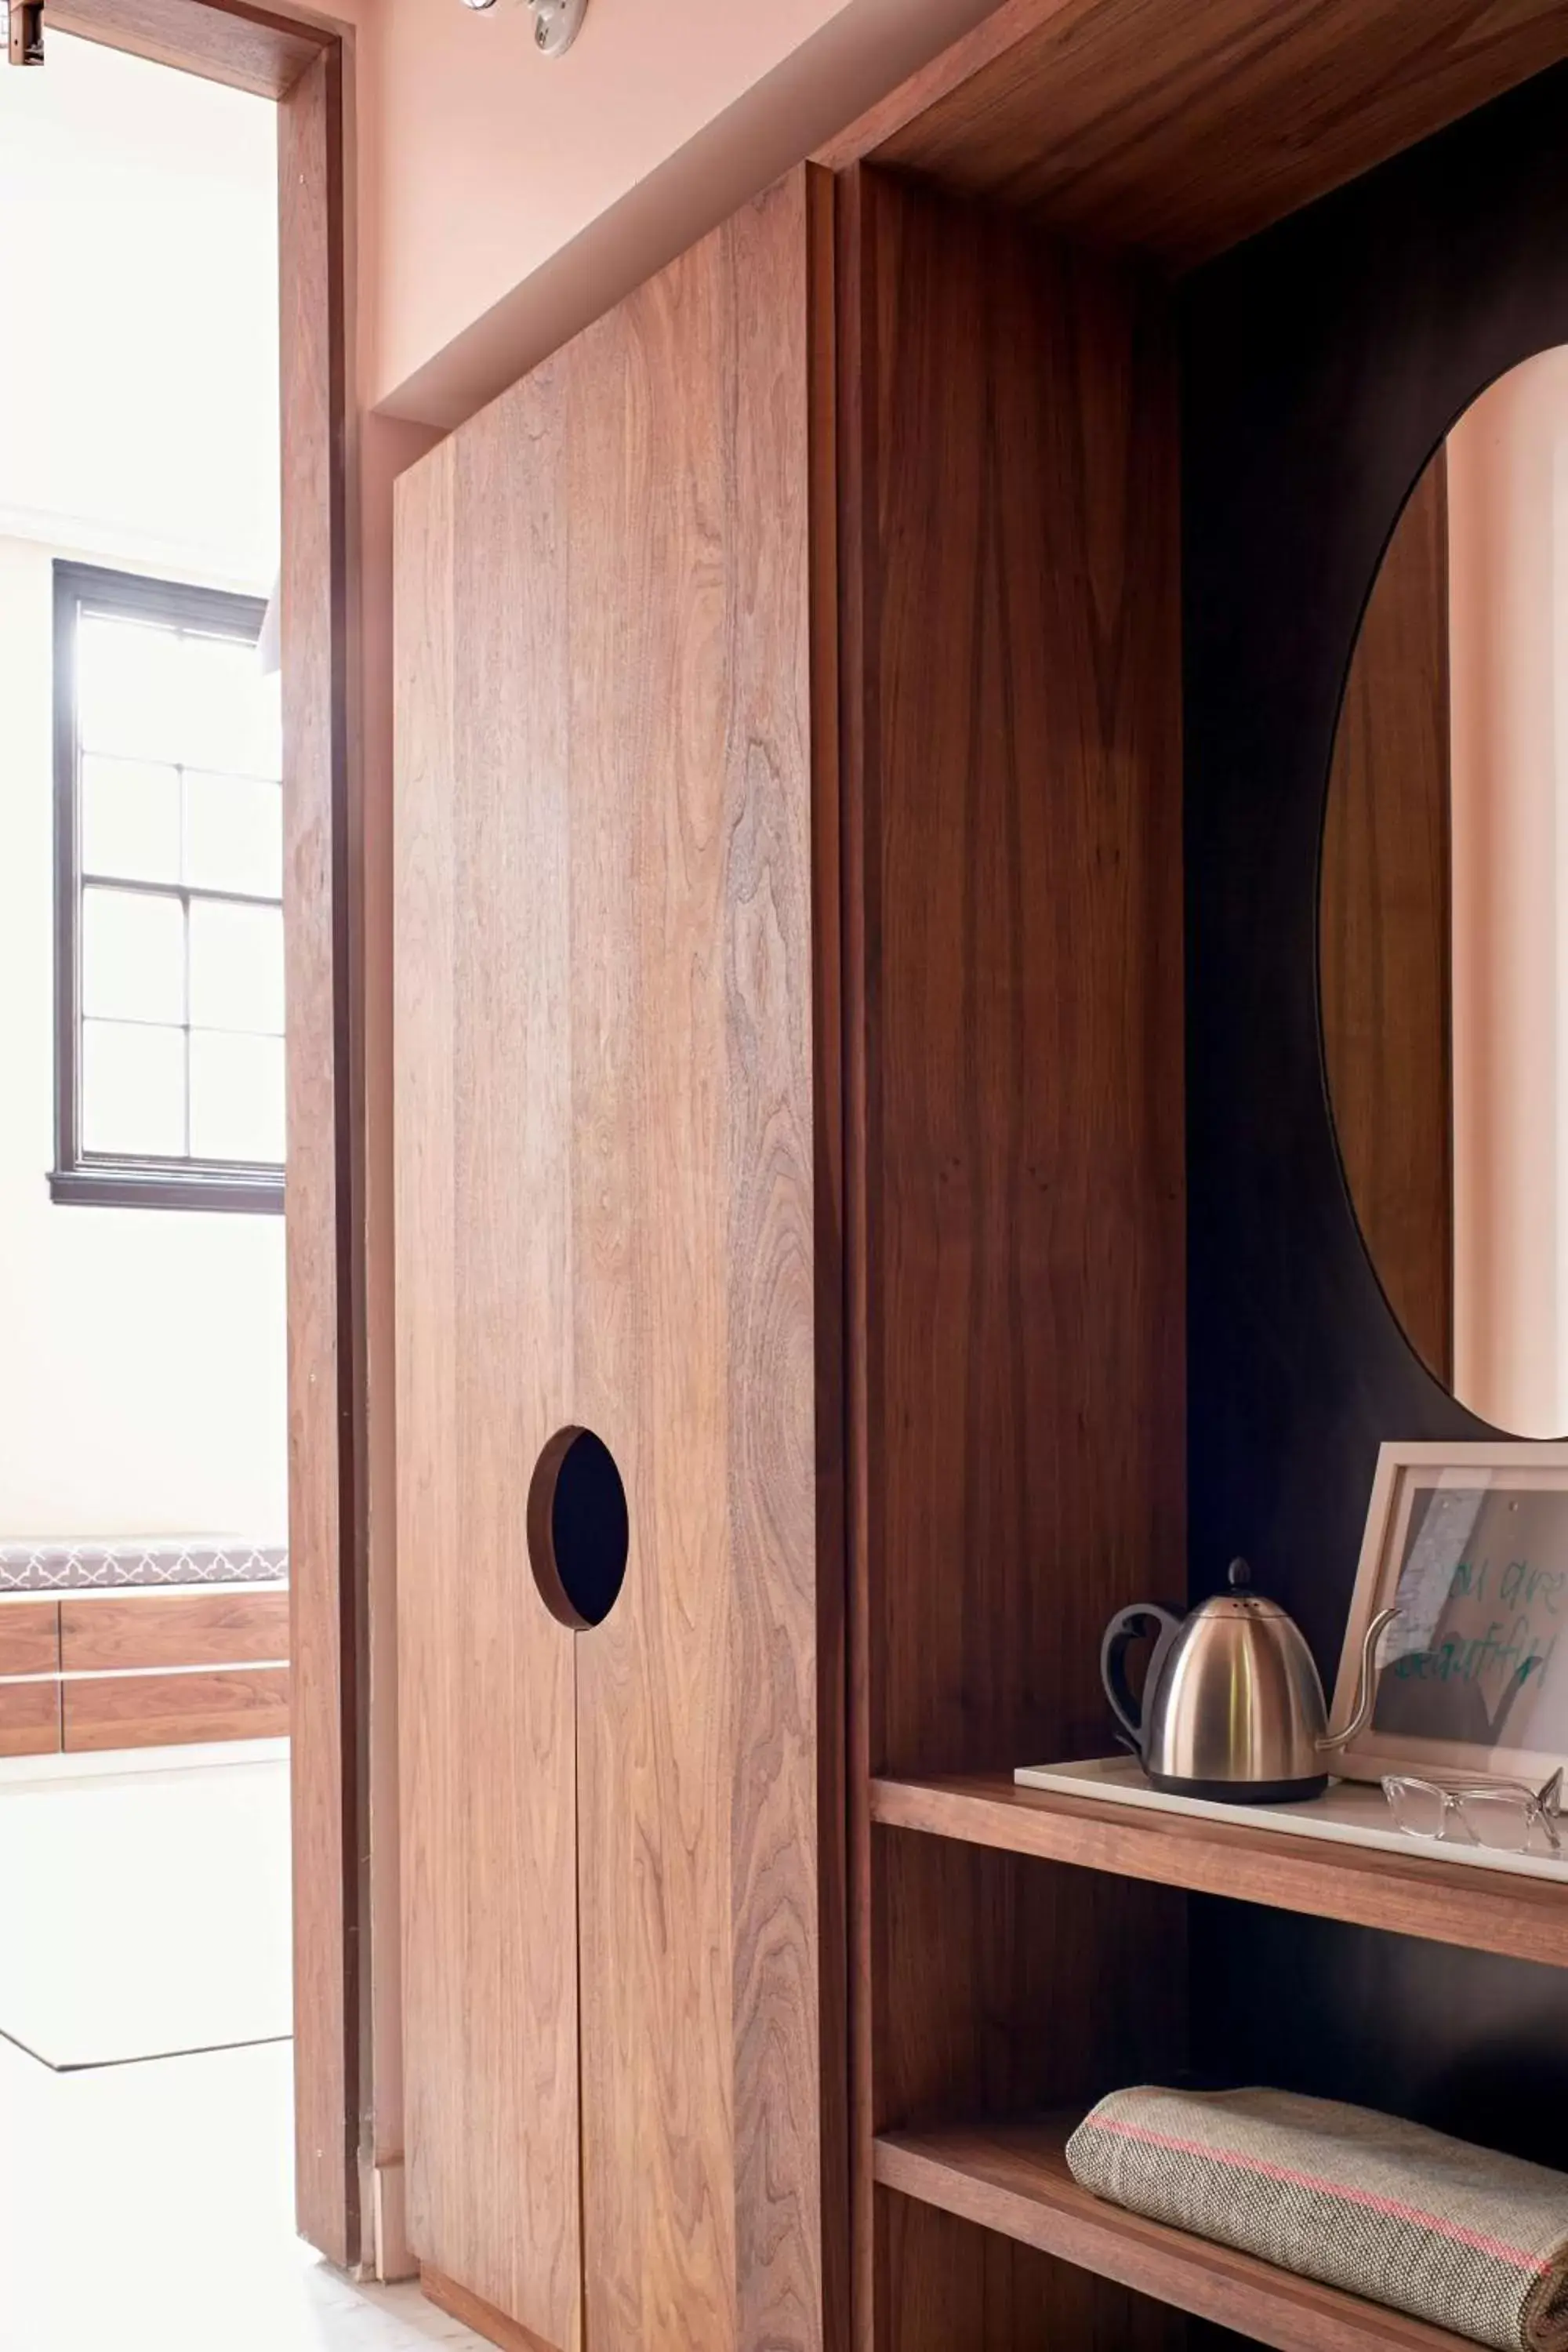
<point x="1443" y="911"/>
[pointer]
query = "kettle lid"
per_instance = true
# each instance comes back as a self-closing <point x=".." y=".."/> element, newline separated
<point x="1240" y="1600"/>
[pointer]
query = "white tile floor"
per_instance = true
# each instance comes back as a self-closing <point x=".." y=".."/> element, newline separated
<point x="148" y="2208"/>
<point x="146" y="1913"/>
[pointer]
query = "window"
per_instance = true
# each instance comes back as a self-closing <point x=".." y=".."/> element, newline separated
<point x="168" y="898"/>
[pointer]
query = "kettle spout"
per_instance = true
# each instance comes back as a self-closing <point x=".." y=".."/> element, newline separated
<point x="1367" y="1685"/>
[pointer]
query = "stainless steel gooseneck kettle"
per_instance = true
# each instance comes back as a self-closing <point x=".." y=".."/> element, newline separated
<point x="1232" y="1706"/>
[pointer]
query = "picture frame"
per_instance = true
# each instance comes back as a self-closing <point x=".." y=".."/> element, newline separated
<point x="1469" y="1541"/>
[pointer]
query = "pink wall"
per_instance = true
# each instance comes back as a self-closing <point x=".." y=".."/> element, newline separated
<point x="1508" y="540"/>
<point x="515" y="197"/>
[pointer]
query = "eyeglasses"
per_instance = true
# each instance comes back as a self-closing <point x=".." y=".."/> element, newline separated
<point x="1503" y="1814"/>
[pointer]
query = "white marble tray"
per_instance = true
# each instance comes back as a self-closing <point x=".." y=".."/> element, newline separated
<point x="1351" y="1812"/>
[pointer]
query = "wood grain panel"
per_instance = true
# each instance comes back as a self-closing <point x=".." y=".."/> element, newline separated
<point x="607" y="1154"/>
<point x="1181" y="131"/>
<point x="485" y="1673"/>
<point x="1015" y="2181"/>
<point x="326" y="1514"/>
<point x="249" y="47"/>
<point x="693" y="1252"/>
<point x="945" y="2282"/>
<point x="1385" y="926"/>
<point x="219" y="1628"/>
<point x="30" y="1637"/>
<point x="167" y="1710"/>
<point x="832" y="1824"/>
<point x="1014" y="1143"/>
<point x="1018" y="929"/>
<point x="29" y="1719"/>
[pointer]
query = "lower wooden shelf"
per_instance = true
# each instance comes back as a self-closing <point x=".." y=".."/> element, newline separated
<point x="1406" y="1894"/>
<point x="1014" y="2178"/>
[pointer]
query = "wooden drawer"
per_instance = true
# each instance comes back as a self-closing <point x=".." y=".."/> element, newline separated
<point x="30" y="1637"/>
<point x="165" y="1710"/>
<point x="29" y="1719"/>
<point x="225" y="1626"/>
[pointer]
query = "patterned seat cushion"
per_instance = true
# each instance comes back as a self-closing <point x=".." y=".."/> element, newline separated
<point x="70" y="1567"/>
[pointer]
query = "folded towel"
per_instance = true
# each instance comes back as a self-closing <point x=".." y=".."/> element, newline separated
<point x="1471" y="2241"/>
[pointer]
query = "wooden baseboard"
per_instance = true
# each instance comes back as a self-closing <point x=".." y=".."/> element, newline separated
<point x="481" y="2316"/>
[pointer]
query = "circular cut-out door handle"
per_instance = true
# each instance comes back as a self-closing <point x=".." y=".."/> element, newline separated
<point x="579" y="1531"/>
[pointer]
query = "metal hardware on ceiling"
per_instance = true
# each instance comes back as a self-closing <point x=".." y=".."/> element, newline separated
<point x="556" y="25"/>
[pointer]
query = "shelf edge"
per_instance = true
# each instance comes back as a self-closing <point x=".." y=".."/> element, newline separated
<point x="1519" y="1919"/>
<point x="1274" y="2307"/>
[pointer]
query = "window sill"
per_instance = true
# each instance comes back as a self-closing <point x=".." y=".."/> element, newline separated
<point x="133" y="1184"/>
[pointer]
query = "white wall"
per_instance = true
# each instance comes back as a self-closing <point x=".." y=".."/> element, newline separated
<point x="138" y="315"/>
<point x="141" y="1352"/>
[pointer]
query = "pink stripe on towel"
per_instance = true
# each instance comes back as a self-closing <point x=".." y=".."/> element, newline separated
<point x="1513" y="2256"/>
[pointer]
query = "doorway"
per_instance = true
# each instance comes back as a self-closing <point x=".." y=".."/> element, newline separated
<point x="179" y="1601"/>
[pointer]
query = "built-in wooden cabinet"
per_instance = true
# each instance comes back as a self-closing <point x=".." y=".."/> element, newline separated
<point x="617" y="1210"/>
<point x="767" y="676"/>
<point x="793" y="1074"/>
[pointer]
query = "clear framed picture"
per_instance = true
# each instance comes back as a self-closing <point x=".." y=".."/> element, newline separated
<point x="1469" y="1543"/>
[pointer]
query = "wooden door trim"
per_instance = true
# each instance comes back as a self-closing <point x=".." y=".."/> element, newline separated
<point x="301" y="61"/>
<point x="263" y="50"/>
<point x="325" y="1216"/>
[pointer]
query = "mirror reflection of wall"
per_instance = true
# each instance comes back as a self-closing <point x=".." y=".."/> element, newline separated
<point x="1444" y="909"/>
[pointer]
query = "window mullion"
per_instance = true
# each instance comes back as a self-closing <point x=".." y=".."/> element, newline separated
<point x="186" y="918"/>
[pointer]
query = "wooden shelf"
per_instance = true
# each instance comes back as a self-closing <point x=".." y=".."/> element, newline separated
<point x="1486" y="1911"/>
<point x="1014" y="2178"/>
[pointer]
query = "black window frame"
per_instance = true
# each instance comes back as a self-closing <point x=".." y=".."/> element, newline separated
<point x="120" y="1180"/>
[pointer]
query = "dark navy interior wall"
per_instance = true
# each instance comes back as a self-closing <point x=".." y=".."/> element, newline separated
<point x="1322" y="363"/>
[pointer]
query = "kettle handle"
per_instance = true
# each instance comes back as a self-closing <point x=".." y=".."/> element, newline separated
<point x="1120" y="1634"/>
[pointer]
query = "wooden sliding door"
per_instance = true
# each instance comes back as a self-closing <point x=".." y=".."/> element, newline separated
<point x="609" y="1151"/>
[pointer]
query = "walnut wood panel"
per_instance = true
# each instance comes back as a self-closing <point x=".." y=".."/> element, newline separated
<point x="249" y="47"/>
<point x="30" y="1637"/>
<point x="167" y="1710"/>
<point x="326" y="1514"/>
<point x="832" y="1823"/>
<point x="29" y="1719"/>
<point x="1182" y="129"/>
<point x="690" y="1136"/>
<point x="220" y="1628"/>
<point x="1385" y="928"/>
<point x="1486" y="1911"/>
<point x="485" y="1673"/>
<point x="944" y="2282"/>
<point x="1014" y="1143"/>
<point x="607" y="1156"/>
<point x="1004" y="1986"/>
<point x="1015" y="2180"/>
